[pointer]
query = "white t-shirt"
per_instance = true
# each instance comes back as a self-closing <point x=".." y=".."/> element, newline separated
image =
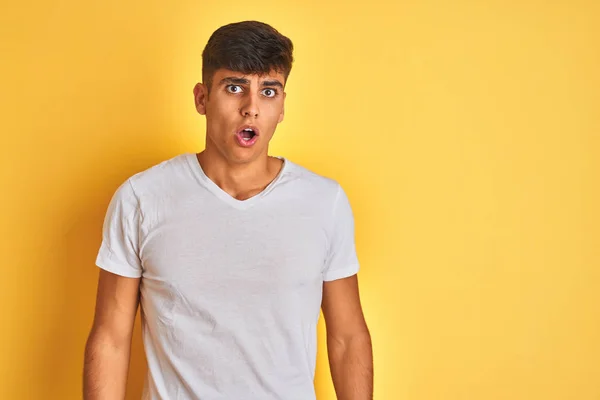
<point x="231" y="289"/>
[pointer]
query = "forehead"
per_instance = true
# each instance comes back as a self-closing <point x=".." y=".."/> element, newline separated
<point x="225" y="73"/>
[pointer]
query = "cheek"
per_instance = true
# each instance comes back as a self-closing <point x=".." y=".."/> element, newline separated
<point x="274" y="109"/>
<point x="223" y="107"/>
<point x="219" y="113"/>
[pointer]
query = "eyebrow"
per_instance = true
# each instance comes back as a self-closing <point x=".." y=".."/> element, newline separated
<point x="243" y="81"/>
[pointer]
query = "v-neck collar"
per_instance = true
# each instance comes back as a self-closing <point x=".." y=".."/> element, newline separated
<point x="223" y="195"/>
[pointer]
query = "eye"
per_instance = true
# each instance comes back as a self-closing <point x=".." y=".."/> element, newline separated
<point x="230" y="88"/>
<point x="270" y="92"/>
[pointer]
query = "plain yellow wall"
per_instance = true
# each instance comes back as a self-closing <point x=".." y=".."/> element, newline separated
<point x="466" y="134"/>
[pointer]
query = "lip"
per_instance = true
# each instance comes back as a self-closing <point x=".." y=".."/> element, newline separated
<point x="247" y="143"/>
<point x="253" y="127"/>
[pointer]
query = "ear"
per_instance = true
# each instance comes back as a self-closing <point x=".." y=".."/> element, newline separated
<point x="200" y="97"/>
<point x="282" y="109"/>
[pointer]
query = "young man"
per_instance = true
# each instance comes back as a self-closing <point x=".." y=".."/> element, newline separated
<point x="232" y="253"/>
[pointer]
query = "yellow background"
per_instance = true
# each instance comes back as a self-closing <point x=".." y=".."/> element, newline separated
<point x="466" y="134"/>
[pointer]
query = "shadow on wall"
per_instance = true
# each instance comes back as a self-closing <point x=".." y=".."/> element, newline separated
<point x="73" y="320"/>
<point x="70" y="229"/>
<point x="107" y="123"/>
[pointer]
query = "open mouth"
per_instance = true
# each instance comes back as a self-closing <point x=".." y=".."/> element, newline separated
<point x="247" y="134"/>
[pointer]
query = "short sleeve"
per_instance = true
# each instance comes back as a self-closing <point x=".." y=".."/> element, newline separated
<point x="119" y="251"/>
<point x="341" y="261"/>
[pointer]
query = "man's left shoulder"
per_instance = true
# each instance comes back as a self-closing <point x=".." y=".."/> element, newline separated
<point x="316" y="181"/>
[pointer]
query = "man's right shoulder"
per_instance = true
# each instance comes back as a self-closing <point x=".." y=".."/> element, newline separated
<point x="161" y="176"/>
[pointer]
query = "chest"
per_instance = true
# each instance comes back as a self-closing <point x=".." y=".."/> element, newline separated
<point x="258" y="248"/>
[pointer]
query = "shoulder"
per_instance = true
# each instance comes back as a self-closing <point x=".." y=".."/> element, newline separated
<point x="312" y="183"/>
<point x="161" y="174"/>
<point x="167" y="178"/>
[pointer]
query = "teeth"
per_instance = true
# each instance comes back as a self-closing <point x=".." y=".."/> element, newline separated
<point x="248" y="130"/>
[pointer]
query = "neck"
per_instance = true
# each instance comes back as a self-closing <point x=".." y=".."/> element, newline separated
<point x="240" y="180"/>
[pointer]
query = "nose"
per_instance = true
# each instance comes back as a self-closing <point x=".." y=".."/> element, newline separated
<point x="249" y="106"/>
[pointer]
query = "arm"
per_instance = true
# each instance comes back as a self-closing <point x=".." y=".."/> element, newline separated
<point x="348" y="340"/>
<point x="108" y="346"/>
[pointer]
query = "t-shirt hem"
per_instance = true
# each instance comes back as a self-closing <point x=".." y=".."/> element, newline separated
<point x="341" y="273"/>
<point x="118" y="270"/>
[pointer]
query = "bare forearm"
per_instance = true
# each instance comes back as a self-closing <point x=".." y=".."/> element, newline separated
<point x="105" y="369"/>
<point x="351" y="364"/>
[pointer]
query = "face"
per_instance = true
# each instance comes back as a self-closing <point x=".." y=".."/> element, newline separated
<point x="242" y="112"/>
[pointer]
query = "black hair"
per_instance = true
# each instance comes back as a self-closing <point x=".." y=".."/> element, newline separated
<point x="249" y="47"/>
